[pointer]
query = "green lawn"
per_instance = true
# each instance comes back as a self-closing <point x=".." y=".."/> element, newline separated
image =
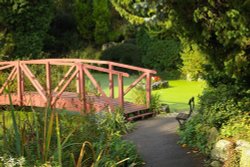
<point x="177" y="95"/>
<point x="179" y="92"/>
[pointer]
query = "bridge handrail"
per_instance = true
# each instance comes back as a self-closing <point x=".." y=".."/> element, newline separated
<point x="100" y="62"/>
<point x="20" y="65"/>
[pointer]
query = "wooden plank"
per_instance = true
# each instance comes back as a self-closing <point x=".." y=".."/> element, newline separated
<point x="19" y="84"/>
<point x="139" y="116"/>
<point x="64" y="87"/>
<point x="34" y="81"/>
<point x="106" y="70"/>
<point x="12" y="75"/>
<point x="7" y="66"/>
<point x="120" y="90"/>
<point x="135" y="83"/>
<point x="111" y="82"/>
<point x="148" y="89"/>
<point x="64" y="78"/>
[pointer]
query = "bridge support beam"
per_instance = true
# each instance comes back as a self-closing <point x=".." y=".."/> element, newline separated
<point x="20" y="84"/>
<point x="111" y="81"/>
<point x="81" y="85"/>
<point x="121" y="92"/>
<point x="48" y="83"/>
<point x="148" y="89"/>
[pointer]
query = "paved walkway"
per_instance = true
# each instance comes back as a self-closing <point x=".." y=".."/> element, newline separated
<point x="156" y="141"/>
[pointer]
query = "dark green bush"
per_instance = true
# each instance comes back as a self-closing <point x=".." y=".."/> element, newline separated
<point x="220" y="94"/>
<point x="27" y="23"/>
<point x="161" y="55"/>
<point x="195" y="133"/>
<point x="221" y="108"/>
<point x="123" y="53"/>
<point x="237" y="128"/>
<point x="193" y="60"/>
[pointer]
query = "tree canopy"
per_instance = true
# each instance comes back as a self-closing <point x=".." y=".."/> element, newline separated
<point x="220" y="28"/>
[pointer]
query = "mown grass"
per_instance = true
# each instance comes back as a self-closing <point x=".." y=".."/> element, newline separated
<point x="179" y="93"/>
<point x="176" y="96"/>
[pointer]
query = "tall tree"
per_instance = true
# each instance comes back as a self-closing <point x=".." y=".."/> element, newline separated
<point x="23" y="25"/>
<point x="221" y="28"/>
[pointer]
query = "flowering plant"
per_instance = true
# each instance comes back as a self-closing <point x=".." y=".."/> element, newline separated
<point x="155" y="78"/>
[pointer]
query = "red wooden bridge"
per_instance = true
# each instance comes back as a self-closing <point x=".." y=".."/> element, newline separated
<point x="42" y="91"/>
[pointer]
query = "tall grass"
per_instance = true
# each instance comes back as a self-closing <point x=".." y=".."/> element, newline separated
<point x="15" y="127"/>
<point x="70" y="140"/>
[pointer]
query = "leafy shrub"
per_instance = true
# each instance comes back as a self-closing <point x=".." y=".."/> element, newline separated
<point x="88" y="53"/>
<point x="102" y="18"/>
<point x="194" y="133"/>
<point x="220" y="113"/>
<point x="116" y="151"/>
<point x="139" y="94"/>
<point x="112" y="123"/>
<point x="155" y="105"/>
<point x="193" y="60"/>
<point x="124" y="53"/>
<point x="237" y="128"/>
<point x="220" y="94"/>
<point x="161" y="55"/>
<point x="222" y="108"/>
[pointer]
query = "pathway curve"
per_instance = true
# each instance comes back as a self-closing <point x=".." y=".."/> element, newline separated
<point x="156" y="141"/>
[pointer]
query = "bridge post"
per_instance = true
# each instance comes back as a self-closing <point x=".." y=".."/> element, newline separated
<point x="48" y="83"/>
<point x="111" y="81"/>
<point x="148" y="89"/>
<point x="81" y="85"/>
<point x="121" y="92"/>
<point x="20" y="84"/>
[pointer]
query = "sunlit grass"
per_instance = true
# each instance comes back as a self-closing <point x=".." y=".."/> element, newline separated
<point x="177" y="95"/>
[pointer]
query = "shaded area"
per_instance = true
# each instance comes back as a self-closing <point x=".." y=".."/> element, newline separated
<point x="156" y="140"/>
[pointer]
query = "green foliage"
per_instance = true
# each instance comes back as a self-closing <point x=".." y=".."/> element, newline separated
<point x="139" y="94"/>
<point x="124" y="53"/>
<point x="25" y="24"/>
<point x="117" y="151"/>
<point x="237" y="128"/>
<point x="63" y="35"/>
<point x="83" y="14"/>
<point x="193" y="60"/>
<point x="88" y="53"/>
<point x="221" y="28"/>
<point x="64" y="136"/>
<point x="112" y="123"/>
<point x="195" y="133"/>
<point x="101" y="15"/>
<point x="96" y="21"/>
<point x="161" y="55"/>
<point x="220" y="94"/>
<point x="120" y="5"/>
<point x="155" y="105"/>
<point x="226" y="109"/>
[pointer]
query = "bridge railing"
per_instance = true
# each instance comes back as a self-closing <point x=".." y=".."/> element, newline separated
<point x="78" y="69"/>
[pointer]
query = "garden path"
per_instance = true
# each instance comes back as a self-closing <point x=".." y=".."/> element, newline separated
<point x="156" y="141"/>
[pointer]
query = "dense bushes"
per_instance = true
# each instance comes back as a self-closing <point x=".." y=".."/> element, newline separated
<point x="161" y="55"/>
<point x="225" y="108"/>
<point x="193" y="60"/>
<point x="127" y="53"/>
<point x="25" y="25"/>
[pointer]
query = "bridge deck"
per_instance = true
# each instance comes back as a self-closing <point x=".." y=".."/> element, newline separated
<point x="70" y="101"/>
